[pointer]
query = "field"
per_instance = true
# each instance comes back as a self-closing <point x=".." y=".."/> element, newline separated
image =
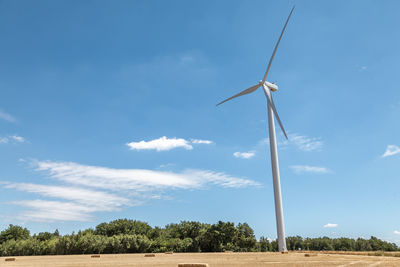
<point x="213" y="259"/>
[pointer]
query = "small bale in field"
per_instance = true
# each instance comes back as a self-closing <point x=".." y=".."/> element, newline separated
<point x="9" y="259"/>
<point x="95" y="256"/>
<point x="285" y="252"/>
<point x="310" y="255"/>
<point x="193" y="265"/>
<point x="149" y="255"/>
<point x="169" y="252"/>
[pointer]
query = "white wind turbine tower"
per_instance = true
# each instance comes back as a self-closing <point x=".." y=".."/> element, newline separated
<point x="268" y="88"/>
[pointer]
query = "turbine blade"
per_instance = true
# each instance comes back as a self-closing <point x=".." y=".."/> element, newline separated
<point x="276" y="47"/>
<point x="244" y="92"/>
<point x="271" y="102"/>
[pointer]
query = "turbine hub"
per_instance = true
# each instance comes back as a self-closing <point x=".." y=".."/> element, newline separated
<point x="272" y="86"/>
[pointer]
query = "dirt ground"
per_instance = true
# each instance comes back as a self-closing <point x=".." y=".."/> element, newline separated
<point x="213" y="260"/>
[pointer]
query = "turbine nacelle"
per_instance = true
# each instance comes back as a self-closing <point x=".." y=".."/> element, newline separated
<point x="272" y="86"/>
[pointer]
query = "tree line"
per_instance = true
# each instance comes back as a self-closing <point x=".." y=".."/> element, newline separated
<point x="132" y="236"/>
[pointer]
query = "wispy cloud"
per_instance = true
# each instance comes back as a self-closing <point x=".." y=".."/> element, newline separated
<point x="363" y="68"/>
<point x="137" y="179"/>
<point x="331" y="225"/>
<point x="166" y="165"/>
<point x="199" y="141"/>
<point x="95" y="199"/>
<point x="396" y="232"/>
<point x="219" y="178"/>
<point x="6" y="117"/>
<point x="305" y="143"/>
<point x="12" y="139"/>
<point x="88" y="189"/>
<point x="391" y="150"/>
<point x="45" y="211"/>
<point x="244" y="155"/>
<point x="17" y="138"/>
<point x="309" y="169"/>
<point x="164" y="144"/>
<point x="79" y="205"/>
<point x="301" y="142"/>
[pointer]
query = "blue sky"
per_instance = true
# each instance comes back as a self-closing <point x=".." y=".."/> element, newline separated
<point x="107" y="111"/>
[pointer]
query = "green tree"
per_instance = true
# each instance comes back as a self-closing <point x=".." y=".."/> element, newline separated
<point x="294" y="243"/>
<point x="129" y="236"/>
<point x="14" y="232"/>
<point x="123" y="226"/>
<point x="264" y="245"/>
<point x="274" y="245"/>
<point x="216" y="237"/>
<point x="245" y="239"/>
<point x="46" y="235"/>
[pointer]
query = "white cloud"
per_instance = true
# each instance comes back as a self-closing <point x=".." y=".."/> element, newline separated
<point x="115" y="179"/>
<point x="95" y="199"/>
<point x="137" y="179"/>
<point x="331" y="225"/>
<point x="391" y="150"/>
<point x="306" y="168"/>
<point x="164" y="144"/>
<point x="305" y="143"/>
<point x="17" y="138"/>
<point x="7" y="117"/>
<point x="301" y="142"/>
<point x="166" y="165"/>
<point x="111" y="189"/>
<point x="199" y="141"/>
<point x="219" y="178"/>
<point x="244" y="155"/>
<point x="45" y="211"/>
<point x="80" y="204"/>
<point x="14" y="138"/>
<point x="161" y="144"/>
<point x="396" y="232"/>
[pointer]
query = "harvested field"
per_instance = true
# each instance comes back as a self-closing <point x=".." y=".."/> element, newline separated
<point x="212" y="259"/>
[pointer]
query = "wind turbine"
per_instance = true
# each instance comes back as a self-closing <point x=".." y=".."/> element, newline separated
<point x="268" y="88"/>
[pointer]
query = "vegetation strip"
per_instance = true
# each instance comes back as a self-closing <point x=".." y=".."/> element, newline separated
<point x="131" y="236"/>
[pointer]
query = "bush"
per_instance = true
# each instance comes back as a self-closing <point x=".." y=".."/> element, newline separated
<point x="130" y="236"/>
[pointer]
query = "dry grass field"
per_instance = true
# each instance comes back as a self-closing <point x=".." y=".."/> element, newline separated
<point x="213" y="260"/>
